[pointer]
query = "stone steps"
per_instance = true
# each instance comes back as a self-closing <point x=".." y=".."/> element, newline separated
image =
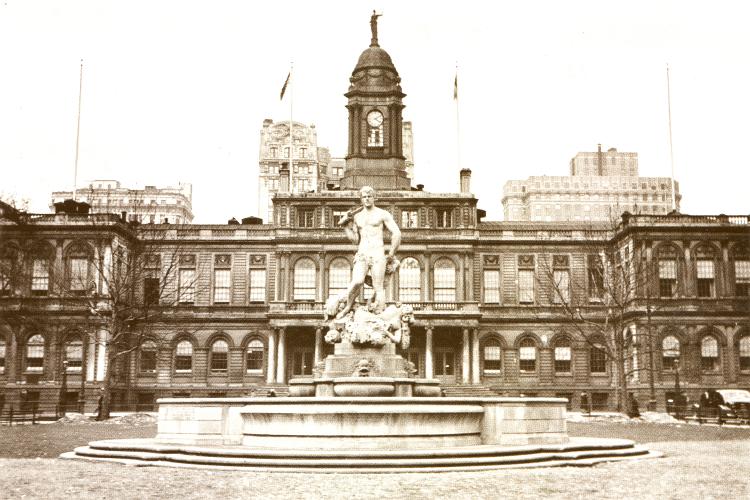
<point x="580" y="451"/>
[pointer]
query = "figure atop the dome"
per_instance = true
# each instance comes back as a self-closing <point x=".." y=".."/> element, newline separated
<point x="374" y="28"/>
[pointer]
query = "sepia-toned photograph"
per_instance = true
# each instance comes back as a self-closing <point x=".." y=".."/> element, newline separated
<point x="351" y="250"/>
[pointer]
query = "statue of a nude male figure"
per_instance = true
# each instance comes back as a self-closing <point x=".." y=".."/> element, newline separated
<point x="365" y="229"/>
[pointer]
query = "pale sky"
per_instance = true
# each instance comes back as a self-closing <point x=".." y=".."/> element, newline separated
<point x="178" y="90"/>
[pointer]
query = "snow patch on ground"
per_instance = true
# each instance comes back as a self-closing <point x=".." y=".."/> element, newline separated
<point x="610" y="417"/>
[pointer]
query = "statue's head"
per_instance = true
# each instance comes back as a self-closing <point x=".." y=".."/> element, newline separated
<point x="367" y="194"/>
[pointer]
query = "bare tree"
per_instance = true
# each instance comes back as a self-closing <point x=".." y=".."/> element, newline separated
<point x="127" y="285"/>
<point x="599" y="303"/>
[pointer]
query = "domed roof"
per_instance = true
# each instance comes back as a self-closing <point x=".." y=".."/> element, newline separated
<point x="374" y="57"/>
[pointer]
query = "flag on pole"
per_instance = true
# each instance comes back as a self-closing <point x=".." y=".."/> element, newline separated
<point x="283" y="89"/>
<point x="455" y="87"/>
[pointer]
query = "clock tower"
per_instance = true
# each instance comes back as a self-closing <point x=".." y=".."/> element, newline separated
<point x="375" y="156"/>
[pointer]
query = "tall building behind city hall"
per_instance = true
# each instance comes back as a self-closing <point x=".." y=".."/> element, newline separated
<point x="239" y="306"/>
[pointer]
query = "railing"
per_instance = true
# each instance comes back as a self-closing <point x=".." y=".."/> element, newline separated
<point x="317" y="307"/>
<point x="683" y="220"/>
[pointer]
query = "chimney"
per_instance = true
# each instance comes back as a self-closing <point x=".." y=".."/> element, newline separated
<point x="284" y="178"/>
<point x="600" y="160"/>
<point x="465" y="177"/>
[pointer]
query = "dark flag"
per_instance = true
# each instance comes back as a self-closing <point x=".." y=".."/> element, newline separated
<point x="286" y="82"/>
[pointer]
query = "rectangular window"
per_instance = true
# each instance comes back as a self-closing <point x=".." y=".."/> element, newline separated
<point x="705" y="277"/>
<point x="74" y="356"/>
<point x="444" y="217"/>
<point x="40" y="277"/>
<point x="526" y="287"/>
<point x="492" y="286"/>
<point x="307" y="217"/>
<point x="409" y="218"/>
<point x="187" y="286"/>
<point x="2" y="357"/>
<point x="595" y="278"/>
<point x="337" y="216"/>
<point x="598" y="360"/>
<point x="257" y="285"/>
<point x="667" y="277"/>
<point x="561" y="293"/>
<point x="527" y="359"/>
<point x="183" y="358"/>
<point x="741" y="278"/>
<point x="492" y="359"/>
<point x="151" y="291"/>
<point x="6" y="266"/>
<point x="222" y="282"/>
<point x="35" y="357"/>
<point x="304" y="283"/>
<point x="562" y="359"/>
<point x="78" y="275"/>
<point x="219" y="359"/>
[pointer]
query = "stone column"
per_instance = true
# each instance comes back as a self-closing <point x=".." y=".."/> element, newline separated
<point x="429" y="371"/>
<point x="271" y="368"/>
<point x="281" y="365"/>
<point x="476" y="379"/>
<point x="318" y="346"/>
<point x="465" y="368"/>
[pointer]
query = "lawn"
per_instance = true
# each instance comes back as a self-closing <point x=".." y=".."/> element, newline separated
<point x="700" y="462"/>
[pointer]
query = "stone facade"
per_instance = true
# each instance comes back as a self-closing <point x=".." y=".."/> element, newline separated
<point x="477" y="328"/>
<point x="601" y="186"/>
<point x="148" y="205"/>
<point x="305" y="172"/>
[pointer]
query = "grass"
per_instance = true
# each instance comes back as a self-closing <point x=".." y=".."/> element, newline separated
<point x="700" y="462"/>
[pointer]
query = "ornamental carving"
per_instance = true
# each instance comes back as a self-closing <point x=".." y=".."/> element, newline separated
<point x="492" y="259"/>
<point x="258" y="259"/>
<point x="560" y="261"/>
<point x="525" y="261"/>
<point x="222" y="260"/>
<point x="187" y="260"/>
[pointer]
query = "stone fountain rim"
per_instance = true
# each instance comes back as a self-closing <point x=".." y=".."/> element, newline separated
<point x="357" y="399"/>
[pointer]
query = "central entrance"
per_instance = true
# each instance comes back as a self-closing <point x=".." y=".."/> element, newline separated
<point x="445" y="365"/>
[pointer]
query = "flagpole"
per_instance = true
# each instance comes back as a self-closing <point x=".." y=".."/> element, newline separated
<point x="78" y="132"/>
<point x="671" y="153"/>
<point x="458" y="128"/>
<point x="291" y="128"/>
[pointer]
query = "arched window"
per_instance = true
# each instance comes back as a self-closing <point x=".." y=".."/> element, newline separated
<point x="148" y="357"/>
<point x="744" y="349"/>
<point x="598" y="359"/>
<point x="445" y="281"/>
<point x="8" y="270"/>
<point x="492" y="357"/>
<point x="527" y="355"/>
<point x="219" y="356"/>
<point x="709" y="354"/>
<point x="2" y="356"/>
<point x="409" y="280"/>
<point x="183" y="357"/>
<point x="304" y="280"/>
<point x="35" y="354"/>
<point x="254" y="356"/>
<point x="562" y="356"/>
<point x="74" y="355"/>
<point x="670" y="352"/>
<point x="339" y="274"/>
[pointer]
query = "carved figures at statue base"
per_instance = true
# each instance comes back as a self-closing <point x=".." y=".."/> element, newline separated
<point x="362" y="326"/>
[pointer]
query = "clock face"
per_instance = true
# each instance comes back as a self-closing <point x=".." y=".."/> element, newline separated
<point x="374" y="118"/>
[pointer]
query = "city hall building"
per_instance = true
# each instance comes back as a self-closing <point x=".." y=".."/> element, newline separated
<point x="237" y="308"/>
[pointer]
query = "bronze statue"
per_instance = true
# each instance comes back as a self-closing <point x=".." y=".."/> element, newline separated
<point x="374" y="27"/>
